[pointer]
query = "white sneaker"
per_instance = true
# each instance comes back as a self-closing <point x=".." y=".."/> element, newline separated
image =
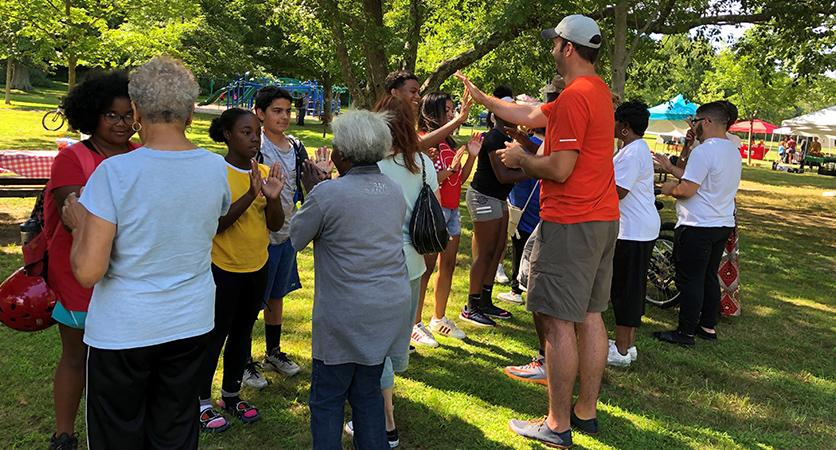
<point x="500" y="275"/>
<point x="422" y="336"/>
<point x="446" y="327"/>
<point x="349" y="428"/>
<point x="617" y="359"/>
<point x="279" y="362"/>
<point x="252" y="378"/>
<point x="630" y="351"/>
<point x="510" y="297"/>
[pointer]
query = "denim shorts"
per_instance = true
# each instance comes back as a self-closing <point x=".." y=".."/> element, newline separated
<point x="282" y="272"/>
<point x="454" y="220"/>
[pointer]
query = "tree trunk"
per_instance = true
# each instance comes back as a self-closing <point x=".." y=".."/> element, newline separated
<point x="327" y="95"/>
<point x="71" y="65"/>
<point x="71" y="57"/>
<point x="20" y="78"/>
<point x="620" y="56"/>
<point x="413" y="36"/>
<point x="9" y="67"/>
<point x="376" y="59"/>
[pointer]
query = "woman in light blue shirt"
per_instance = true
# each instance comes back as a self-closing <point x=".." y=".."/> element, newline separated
<point x="142" y="234"/>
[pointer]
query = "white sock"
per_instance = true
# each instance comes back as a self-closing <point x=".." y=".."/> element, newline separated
<point x="205" y="404"/>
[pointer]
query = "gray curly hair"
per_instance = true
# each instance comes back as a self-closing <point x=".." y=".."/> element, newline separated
<point x="363" y="137"/>
<point x="163" y="90"/>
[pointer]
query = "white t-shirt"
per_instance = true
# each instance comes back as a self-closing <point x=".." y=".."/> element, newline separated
<point x="634" y="172"/>
<point x="411" y="184"/>
<point x="714" y="165"/>
<point x="158" y="286"/>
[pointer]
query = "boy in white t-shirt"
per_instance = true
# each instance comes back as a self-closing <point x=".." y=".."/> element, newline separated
<point x="637" y="231"/>
<point x="705" y="220"/>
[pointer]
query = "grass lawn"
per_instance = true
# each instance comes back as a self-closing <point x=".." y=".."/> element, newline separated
<point x="770" y="383"/>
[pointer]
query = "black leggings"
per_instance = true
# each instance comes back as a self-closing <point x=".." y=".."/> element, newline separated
<point x="238" y="299"/>
<point x="518" y="247"/>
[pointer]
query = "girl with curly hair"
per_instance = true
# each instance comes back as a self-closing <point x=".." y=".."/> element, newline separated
<point x="99" y="107"/>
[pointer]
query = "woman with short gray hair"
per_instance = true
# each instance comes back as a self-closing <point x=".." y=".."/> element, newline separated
<point x="361" y="300"/>
<point x="142" y="234"/>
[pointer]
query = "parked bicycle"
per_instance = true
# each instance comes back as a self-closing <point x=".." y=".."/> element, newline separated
<point x="661" y="274"/>
<point x="54" y="120"/>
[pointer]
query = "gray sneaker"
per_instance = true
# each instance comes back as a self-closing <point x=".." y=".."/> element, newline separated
<point x="537" y="430"/>
<point x="534" y="372"/>
<point x="252" y="377"/>
<point x="279" y="362"/>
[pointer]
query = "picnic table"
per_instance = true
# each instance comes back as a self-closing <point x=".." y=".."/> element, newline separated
<point x="24" y="173"/>
<point x="827" y="165"/>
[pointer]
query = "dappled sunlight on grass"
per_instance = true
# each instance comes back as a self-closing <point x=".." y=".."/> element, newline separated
<point x="769" y="383"/>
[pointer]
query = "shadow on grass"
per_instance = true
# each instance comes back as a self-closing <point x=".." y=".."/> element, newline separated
<point x="419" y="425"/>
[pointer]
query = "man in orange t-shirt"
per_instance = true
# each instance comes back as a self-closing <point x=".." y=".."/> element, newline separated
<point x="571" y="262"/>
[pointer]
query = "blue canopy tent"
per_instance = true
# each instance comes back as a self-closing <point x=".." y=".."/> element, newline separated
<point x="669" y="118"/>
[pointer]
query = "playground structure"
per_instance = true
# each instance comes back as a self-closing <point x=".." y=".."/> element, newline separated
<point x="240" y="93"/>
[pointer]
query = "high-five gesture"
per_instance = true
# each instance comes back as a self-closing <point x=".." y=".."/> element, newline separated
<point x="467" y="102"/>
<point x="474" y="144"/>
<point x="323" y="160"/>
<point x="272" y="186"/>
<point x="475" y="94"/>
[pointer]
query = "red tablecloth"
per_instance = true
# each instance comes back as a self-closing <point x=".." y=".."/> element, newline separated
<point x="27" y="163"/>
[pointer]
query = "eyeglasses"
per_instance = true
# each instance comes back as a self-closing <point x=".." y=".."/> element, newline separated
<point x="695" y="120"/>
<point x="113" y="118"/>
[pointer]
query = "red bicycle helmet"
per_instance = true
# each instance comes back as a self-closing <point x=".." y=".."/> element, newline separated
<point x="26" y="303"/>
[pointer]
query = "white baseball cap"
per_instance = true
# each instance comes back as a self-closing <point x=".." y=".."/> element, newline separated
<point x="576" y="28"/>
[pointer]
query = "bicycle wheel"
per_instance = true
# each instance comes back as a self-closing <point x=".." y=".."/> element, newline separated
<point x="53" y="120"/>
<point x="661" y="275"/>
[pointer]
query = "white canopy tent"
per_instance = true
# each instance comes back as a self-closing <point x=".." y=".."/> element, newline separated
<point x="821" y="124"/>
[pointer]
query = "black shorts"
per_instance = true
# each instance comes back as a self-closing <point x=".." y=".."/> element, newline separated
<point x="629" y="281"/>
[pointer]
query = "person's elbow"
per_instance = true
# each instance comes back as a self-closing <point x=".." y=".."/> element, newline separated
<point x="87" y="275"/>
<point x="276" y="223"/>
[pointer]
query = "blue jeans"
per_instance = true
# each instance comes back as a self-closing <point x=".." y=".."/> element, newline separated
<point x="331" y="385"/>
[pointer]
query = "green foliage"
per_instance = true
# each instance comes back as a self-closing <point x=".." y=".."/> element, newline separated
<point x="754" y="81"/>
<point x="673" y="65"/>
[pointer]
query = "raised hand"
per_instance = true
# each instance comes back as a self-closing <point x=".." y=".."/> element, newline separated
<point x="467" y="102"/>
<point x="323" y="160"/>
<point x="477" y="95"/>
<point x="272" y="187"/>
<point x="255" y="179"/>
<point x="311" y="175"/>
<point x="474" y="145"/>
<point x="456" y="164"/>
<point x="662" y="162"/>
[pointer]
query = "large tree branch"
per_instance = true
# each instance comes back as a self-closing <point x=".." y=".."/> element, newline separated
<point x="449" y="66"/>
